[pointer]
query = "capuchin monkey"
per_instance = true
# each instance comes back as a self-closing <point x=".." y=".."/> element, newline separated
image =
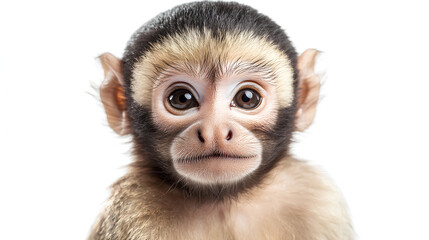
<point x="211" y="93"/>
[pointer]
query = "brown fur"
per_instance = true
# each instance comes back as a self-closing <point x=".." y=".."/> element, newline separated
<point x="294" y="202"/>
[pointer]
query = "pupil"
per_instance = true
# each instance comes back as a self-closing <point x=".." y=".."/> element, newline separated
<point x="247" y="96"/>
<point x="185" y="97"/>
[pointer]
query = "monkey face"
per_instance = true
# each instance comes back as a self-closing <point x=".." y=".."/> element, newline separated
<point x="221" y="107"/>
<point x="215" y="123"/>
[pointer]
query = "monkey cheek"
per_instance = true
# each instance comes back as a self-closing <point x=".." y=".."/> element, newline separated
<point x="217" y="169"/>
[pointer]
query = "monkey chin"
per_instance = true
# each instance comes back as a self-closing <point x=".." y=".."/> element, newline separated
<point x="216" y="168"/>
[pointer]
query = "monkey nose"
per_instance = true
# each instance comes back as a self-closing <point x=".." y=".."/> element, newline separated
<point x="200" y="136"/>
<point x="229" y="135"/>
<point x="204" y="135"/>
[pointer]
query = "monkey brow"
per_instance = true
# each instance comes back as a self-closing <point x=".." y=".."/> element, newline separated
<point x="258" y="67"/>
<point x="214" y="71"/>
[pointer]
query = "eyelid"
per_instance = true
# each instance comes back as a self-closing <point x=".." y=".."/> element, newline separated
<point x="249" y="84"/>
<point x="182" y="85"/>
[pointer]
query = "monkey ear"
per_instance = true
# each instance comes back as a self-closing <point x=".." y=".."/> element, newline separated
<point x="112" y="93"/>
<point x="309" y="87"/>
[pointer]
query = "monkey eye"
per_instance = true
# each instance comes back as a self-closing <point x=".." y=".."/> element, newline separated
<point x="247" y="99"/>
<point x="182" y="99"/>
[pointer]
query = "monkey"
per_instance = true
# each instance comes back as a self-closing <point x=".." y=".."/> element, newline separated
<point x="211" y="93"/>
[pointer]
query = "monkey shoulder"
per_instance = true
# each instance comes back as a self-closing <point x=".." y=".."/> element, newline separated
<point x="134" y="211"/>
<point x="305" y="203"/>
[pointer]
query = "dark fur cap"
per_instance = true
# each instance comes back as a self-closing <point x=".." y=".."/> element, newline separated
<point x="215" y="16"/>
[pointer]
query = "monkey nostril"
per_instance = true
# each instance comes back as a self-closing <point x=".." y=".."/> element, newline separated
<point x="229" y="136"/>
<point x="200" y="137"/>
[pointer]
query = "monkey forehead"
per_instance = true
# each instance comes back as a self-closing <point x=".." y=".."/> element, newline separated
<point x="202" y="53"/>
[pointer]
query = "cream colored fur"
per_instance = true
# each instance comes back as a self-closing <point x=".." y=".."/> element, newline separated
<point x="194" y="52"/>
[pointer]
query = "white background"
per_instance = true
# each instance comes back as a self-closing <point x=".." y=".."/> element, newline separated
<point x="58" y="157"/>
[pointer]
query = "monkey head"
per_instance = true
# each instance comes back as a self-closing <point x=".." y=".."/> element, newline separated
<point x="211" y="93"/>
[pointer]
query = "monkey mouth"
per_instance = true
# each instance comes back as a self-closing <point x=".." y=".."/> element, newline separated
<point x="217" y="167"/>
<point x="215" y="155"/>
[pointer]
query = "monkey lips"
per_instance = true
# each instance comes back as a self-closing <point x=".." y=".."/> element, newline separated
<point x="217" y="167"/>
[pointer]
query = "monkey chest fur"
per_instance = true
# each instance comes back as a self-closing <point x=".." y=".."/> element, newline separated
<point x="299" y="203"/>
